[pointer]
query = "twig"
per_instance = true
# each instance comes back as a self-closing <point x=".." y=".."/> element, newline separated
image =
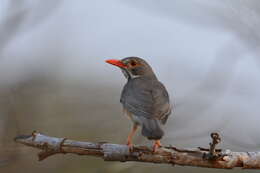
<point x="201" y="157"/>
<point x="213" y="153"/>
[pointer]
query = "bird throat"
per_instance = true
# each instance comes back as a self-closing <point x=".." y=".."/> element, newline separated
<point x="129" y="75"/>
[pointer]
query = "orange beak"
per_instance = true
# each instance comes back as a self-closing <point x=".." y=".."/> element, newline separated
<point x="116" y="63"/>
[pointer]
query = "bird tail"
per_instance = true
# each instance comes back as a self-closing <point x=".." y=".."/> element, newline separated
<point x="151" y="129"/>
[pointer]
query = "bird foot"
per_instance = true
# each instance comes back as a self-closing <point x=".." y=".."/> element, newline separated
<point x="156" y="145"/>
<point x="130" y="146"/>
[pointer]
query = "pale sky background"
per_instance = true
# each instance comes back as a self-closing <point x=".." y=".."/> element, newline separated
<point x="205" y="52"/>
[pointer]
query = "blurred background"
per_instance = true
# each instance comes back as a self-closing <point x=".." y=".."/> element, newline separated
<point x="53" y="78"/>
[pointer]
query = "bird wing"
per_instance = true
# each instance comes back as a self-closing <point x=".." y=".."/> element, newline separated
<point x="147" y="98"/>
<point x="161" y="102"/>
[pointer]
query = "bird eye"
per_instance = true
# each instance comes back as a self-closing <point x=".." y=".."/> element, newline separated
<point x="133" y="63"/>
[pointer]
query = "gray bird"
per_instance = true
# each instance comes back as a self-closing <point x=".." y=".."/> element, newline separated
<point x="145" y="99"/>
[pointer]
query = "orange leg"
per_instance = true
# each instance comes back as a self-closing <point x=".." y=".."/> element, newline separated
<point x="157" y="144"/>
<point x="130" y="137"/>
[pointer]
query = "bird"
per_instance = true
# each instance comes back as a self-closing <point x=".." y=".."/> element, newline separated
<point x="144" y="98"/>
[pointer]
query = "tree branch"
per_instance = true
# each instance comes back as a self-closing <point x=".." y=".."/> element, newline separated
<point x="200" y="157"/>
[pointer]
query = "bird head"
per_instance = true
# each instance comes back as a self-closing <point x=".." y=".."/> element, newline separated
<point x="133" y="67"/>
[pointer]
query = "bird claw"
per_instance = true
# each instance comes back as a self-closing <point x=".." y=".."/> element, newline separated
<point x="156" y="145"/>
<point x="130" y="147"/>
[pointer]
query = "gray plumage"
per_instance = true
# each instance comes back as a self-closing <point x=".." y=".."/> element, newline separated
<point x="145" y="98"/>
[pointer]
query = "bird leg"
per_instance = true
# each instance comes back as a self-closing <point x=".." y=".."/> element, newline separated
<point x="130" y="136"/>
<point x="157" y="144"/>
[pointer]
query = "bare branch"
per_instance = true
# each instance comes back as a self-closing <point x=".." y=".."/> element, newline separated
<point x="200" y="157"/>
